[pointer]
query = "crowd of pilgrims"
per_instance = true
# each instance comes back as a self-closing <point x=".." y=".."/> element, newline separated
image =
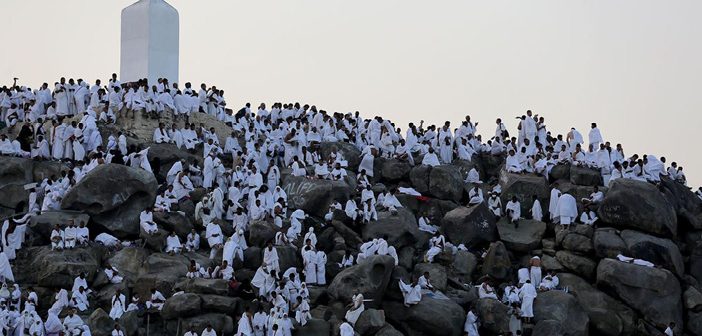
<point x="242" y="179"/>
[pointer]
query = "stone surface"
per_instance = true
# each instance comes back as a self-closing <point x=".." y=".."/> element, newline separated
<point x="563" y="308"/>
<point x="659" y="251"/>
<point x="640" y="206"/>
<point x="469" y="226"/>
<point x="371" y="278"/>
<point x="654" y="293"/>
<point x="496" y="263"/>
<point x="313" y="195"/>
<point x="430" y="316"/>
<point x="401" y="228"/>
<point x="523" y="239"/>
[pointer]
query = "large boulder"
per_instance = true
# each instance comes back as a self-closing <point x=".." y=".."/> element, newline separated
<point x="232" y="306"/>
<point x="16" y="172"/>
<point x="431" y="316"/>
<point x="370" y="322"/>
<point x="608" y="243"/>
<point x="585" y="176"/>
<point x="564" y="308"/>
<point x="181" y="305"/>
<point x="653" y="292"/>
<point x="370" y="277"/>
<point x="314" y="195"/>
<point x="114" y="196"/>
<point x="577" y="264"/>
<point x="261" y="232"/>
<point x="687" y="205"/>
<point x="174" y="221"/>
<point x="44" y="223"/>
<point x="446" y="182"/>
<point x="524" y="187"/>
<point x="659" y="251"/>
<point x="496" y="263"/>
<point x="100" y="323"/>
<point x="464" y="263"/>
<point x="638" y="205"/>
<point x="392" y="170"/>
<point x="401" y="228"/>
<point x="419" y="177"/>
<point x="204" y="286"/>
<point x="607" y="316"/>
<point x="433" y="208"/>
<point x="578" y="240"/>
<point x="523" y="239"/>
<point x="160" y="271"/>
<point x="57" y="269"/>
<point x="469" y="226"/>
<point x="493" y="316"/>
<point x="129" y="261"/>
<point x="347" y="150"/>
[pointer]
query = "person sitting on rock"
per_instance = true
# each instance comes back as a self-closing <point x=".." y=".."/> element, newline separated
<point x="157" y="300"/>
<point x="117" y="331"/>
<point x="475" y="196"/>
<point x="513" y="210"/>
<point x="209" y="331"/>
<point x="173" y="244"/>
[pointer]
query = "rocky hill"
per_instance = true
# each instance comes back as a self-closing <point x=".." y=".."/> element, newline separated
<point x="657" y="223"/>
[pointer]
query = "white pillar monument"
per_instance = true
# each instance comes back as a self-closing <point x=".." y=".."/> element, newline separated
<point x="149" y="49"/>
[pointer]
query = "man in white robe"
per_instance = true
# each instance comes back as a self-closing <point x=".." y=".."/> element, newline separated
<point x="567" y="209"/>
<point x="513" y="210"/>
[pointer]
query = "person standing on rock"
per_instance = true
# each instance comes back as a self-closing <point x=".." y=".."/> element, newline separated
<point x="309" y="259"/>
<point x="567" y="209"/>
<point x="528" y="294"/>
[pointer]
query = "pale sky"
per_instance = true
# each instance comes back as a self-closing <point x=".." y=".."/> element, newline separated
<point x="632" y="66"/>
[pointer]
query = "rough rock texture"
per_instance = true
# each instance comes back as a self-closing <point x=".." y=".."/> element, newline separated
<point x="638" y="205"/>
<point x="578" y="264"/>
<point x="114" y="196"/>
<point x="496" y="263"/>
<point x="429" y="317"/>
<point x="493" y="315"/>
<point x="524" y="187"/>
<point x="370" y="278"/>
<point x="314" y="196"/>
<point x="563" y="308"/>
<point x="401" y="228"/>
<point x="654" y="293"/>
<point x="659" y="251"/>
<point x="469" y="225"/>
<point x="523" y="239"/>
<point x="607" y="315"/>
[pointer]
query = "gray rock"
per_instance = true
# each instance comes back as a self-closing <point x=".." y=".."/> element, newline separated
<point x="44" y="223"/>
<point x="493" y="316"/>
<point x="523" y="239"/>
<point x="659" y="251"/>
<point x="607" y="316"/>
<point x="469" y="226"/>
<point x="350" y="236"/>
<point x="608" y="243"/>
<point x="392" y="170"/>
<point x="313" y="195"/>
<point x="446" y="182"/>
<point x="585" y="176"/>
<point x="548" y="328"/>
<point x="261" y="232"/>
<point x="160" y="271"/>
<point x="114" y="196"/>
<point x="577" y="243"/>
<point x="496" y="263"/>
<point x="419" y="177"/>
<point x="653" y="292"/>
<point x="370" y="322"/>
<point x="694" y="323"/>
<point x="524" y="187"/>
<point x="430" y="316"/>
<point x="173" y="221"/>
<point x="551" y="264"/>
<point x="560" y="172"/>
<point x="401" y="229"/>
<point x="100" y="323"/>
<point x="314" y="327"/>
<point x="370" y="277"/>
<point x="204" y="286"/>
<point x="638" y="205"/>
<point x="692" y="298"/>
<point x="464" y="263"/>
<point x="687" y="205"/>
<point x="181" y="305"/>
<point x="563" y="308"/>
<point x="58" y="268"/>
<point x="232" y="306"/>
<point x="388" y="330"/>
<point x="577" y="264"/>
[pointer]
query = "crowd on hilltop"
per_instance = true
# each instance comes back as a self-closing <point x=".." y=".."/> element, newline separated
<point x="242" y="177"/>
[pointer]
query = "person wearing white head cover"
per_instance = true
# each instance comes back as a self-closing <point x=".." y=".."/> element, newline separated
<point x="430" y="158"/>
<point x="311" y="236"/>
<point x="528" y="294"/>
<point x="321" y="262"/>
<point x="473" y="176"/>
<point x="270" y="258"/>
<point x="411" y="293"/>
<point x="367" y="160"/>
<point x="232" y="249"/>
<point x="146" y="220"/>
<point x="567" y="209"/>
<point x="356" y="307"/>
<point x="475" y="196"/>
<point x="309" y="259"/>
<point x="536" y="210"/>
<point x="553" y="203"/>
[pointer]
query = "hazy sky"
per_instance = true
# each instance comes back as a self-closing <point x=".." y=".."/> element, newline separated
<point x="632" y="66"/>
